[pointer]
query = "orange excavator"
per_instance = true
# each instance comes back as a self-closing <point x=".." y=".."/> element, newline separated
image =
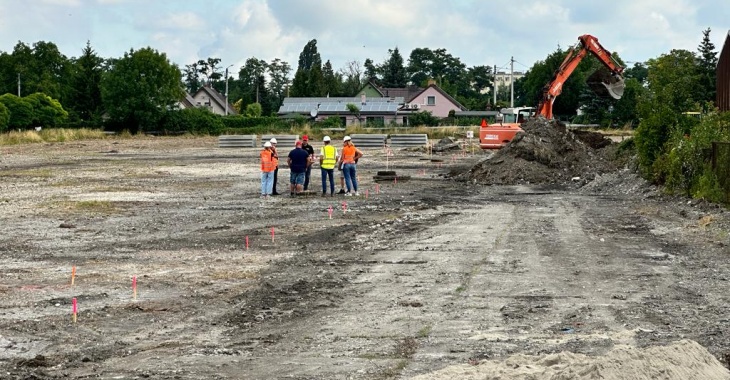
<point x="606" y="83"/>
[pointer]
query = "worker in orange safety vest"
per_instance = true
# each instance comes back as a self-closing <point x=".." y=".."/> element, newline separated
<point x="268" y="166"/>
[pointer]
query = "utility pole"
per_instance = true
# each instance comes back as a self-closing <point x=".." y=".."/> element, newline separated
<point x="494" y="87"/>
<point x="227" y="89"/>
<point x="18" y="84"/>
<point x="512" y="81"/>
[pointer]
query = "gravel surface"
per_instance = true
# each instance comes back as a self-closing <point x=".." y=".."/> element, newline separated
<point x="414" y="278"/>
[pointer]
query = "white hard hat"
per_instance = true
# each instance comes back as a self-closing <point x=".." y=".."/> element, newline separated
<point x="347" y="138"/>
<point x="326" y="138"/>
<point x="273" y="140"/>
<point x="267" y="144"/>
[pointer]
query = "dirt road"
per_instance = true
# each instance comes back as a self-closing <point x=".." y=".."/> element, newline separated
<point x="424" y="275"/>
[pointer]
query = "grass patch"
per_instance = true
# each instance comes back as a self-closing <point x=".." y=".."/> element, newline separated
<point x="394" y="371"/>
<point x="39" y="173"/>
<point x="100" y="207"/>
<point x="51" y="135"/>
<point x="424" y="332"/>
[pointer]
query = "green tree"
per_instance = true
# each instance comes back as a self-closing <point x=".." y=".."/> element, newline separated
<point x="707" y="68"/>
<point x="315" y="82"/>
<point x="352" y="78"/>
<point x="139" y="87"/>
<point x="85" y="85"/>
<point x="354" y="109"/>
<point x="445" y="69"/>
<point x="672" y="89"/>
<point x="253" y="110"/>
<point x="21" y="111"/>
<point x="308" y="80"/>
<point x="393" y="70"/>
<point x="371" y="71"/>
<point x="191" y="76"/>
<point x="309" y="57"/>
<point x="331" y="80"/>
<point x="47" y="112"/>
<point x="252" y="80"/>
<point x="279" y="82"/>
<point x="210" y="70"/>
<point x="41" y="68"/>
<point x="4" y="118"/>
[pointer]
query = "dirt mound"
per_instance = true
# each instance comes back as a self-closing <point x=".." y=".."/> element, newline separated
<point x="547" y="153"/>
<point x="684" y="360"/>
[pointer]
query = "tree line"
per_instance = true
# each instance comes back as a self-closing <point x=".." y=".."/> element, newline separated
<point x="141" y="91"/>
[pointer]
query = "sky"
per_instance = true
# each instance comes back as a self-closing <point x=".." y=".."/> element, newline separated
<point x="479" y="32"/>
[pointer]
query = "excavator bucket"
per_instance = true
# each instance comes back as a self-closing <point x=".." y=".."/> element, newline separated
<point x="606" y="84"/>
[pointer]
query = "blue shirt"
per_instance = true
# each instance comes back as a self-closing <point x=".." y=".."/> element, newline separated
<point x="299" y="160"/>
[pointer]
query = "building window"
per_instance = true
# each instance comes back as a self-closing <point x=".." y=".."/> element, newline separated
<point x="431" y="100"/>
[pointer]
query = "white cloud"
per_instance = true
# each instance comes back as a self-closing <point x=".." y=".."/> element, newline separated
<point x="477" y="32"/>
<point x="183" y="21"/>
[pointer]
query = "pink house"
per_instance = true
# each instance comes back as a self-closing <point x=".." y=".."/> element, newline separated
<point x="435" y="100"/>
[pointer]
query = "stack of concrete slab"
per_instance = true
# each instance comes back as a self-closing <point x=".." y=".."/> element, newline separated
<point x="284" y="141"/>
<point x="237" y="141"/>
<point x="408" y="140"/>
<point x="369" y="140"/>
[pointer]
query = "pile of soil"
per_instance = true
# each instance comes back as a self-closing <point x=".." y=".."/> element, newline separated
<point x="547" y="153"/>
<point x="683" y="360"/>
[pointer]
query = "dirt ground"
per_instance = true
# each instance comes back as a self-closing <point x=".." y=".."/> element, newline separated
<point x="464" y="267"/>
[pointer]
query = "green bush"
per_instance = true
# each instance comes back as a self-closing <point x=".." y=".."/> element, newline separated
<point x="192" y="120"/>
<point x="47" y="112"/>
<point x="685" y="165"/>
<point x="21" y="111"/>
<point x="422" y="118"/>
<point x="4" y="118"/>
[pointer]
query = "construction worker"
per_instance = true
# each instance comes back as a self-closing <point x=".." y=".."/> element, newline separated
<point x="267" y="170"/>
<point x="276" y="163"/>
<point x="310" y="150"/>
<point x="298" y="161"/>
<point x="327" y="160"/>
<point x="349" y="158"/>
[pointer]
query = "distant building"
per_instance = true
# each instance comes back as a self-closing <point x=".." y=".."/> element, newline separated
<point x="504" y="79"/>
<point x="379" y="106"/>
<point x="723" y="77"/>
<point x="209" y="98"/>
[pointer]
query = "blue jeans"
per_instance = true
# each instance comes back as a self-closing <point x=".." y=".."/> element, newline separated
<point x="350" y="171"/>
<point x="307" y="173"/>
<point x="267" y="183"/>
<point x="331" y="174"/>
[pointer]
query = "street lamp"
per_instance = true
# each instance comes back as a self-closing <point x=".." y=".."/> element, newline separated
<point x="227" y="89"/>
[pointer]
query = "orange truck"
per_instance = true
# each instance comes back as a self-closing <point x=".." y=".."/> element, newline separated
<point x="606" y="83"/>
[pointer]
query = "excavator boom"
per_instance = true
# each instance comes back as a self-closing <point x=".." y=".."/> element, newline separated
<point x="608" y="82"/>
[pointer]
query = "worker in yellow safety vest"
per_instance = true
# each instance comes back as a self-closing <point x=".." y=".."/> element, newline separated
<point x="327" y="162"/>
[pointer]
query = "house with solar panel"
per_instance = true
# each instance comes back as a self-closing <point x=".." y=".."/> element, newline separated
<point x="372" y="110"/>
<point x="378" y="106"/>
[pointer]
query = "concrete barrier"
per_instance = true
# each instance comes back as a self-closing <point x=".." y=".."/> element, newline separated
<point x="369" y="140"/>
<point x="282" y="141"/>
<point x="237" y="141"/>
<point x="407" y="140"/>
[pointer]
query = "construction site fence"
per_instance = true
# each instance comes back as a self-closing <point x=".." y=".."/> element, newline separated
<point x="721" y="165"/>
